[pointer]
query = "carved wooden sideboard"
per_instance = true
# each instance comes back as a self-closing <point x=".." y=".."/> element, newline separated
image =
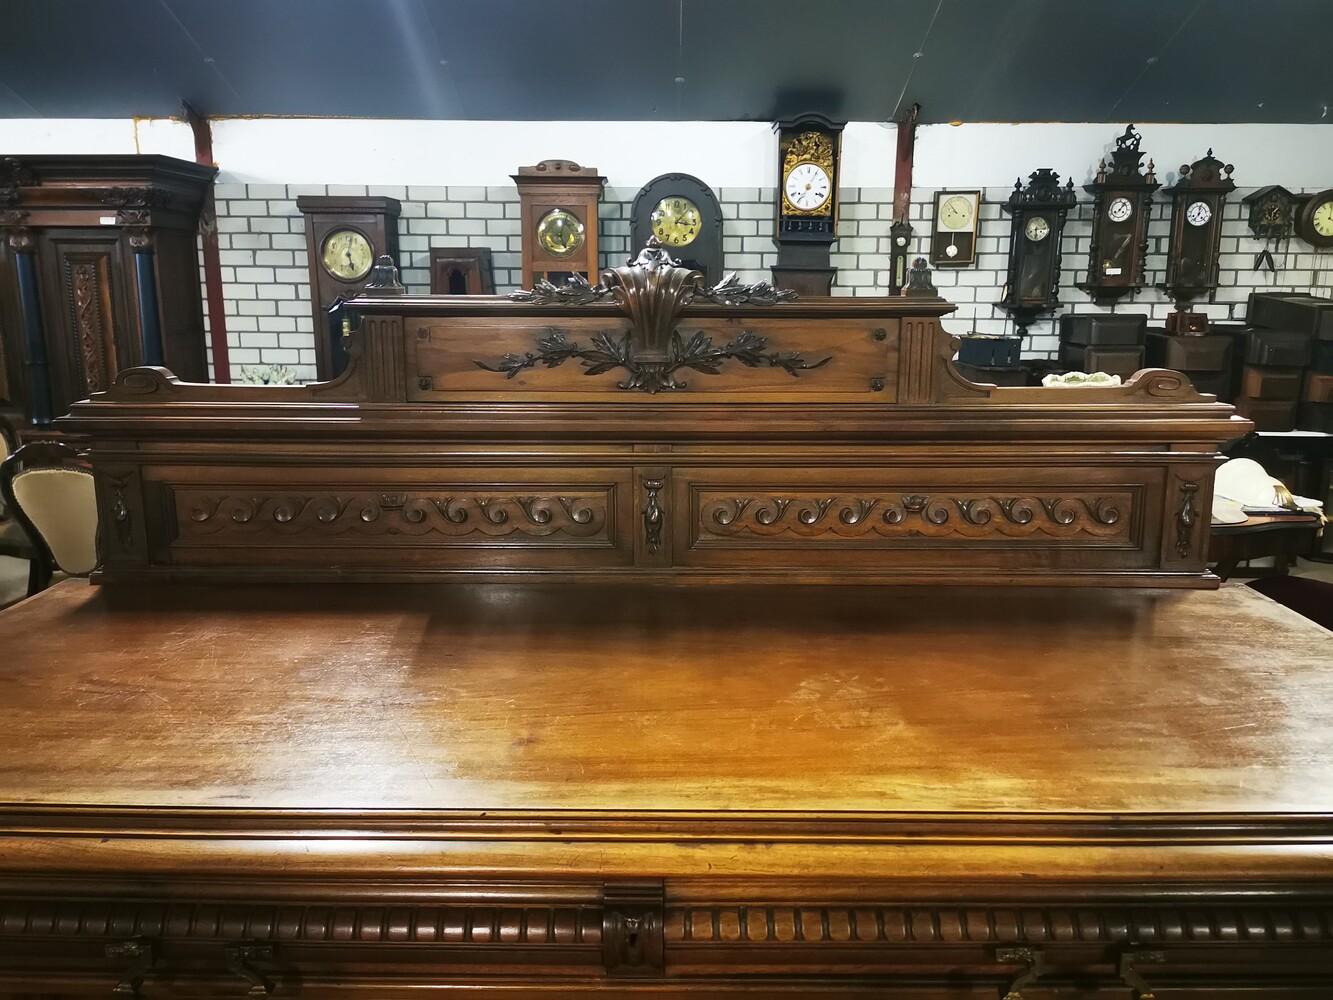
<point x="98" y="273"/>
<point x="649" y="427"/>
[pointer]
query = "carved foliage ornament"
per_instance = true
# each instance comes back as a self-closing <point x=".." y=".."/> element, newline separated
<point x="651" y="290"/>
<point x="578" y="515"/>
<point x="698" y="354"/>
<point x="918" y="514"/>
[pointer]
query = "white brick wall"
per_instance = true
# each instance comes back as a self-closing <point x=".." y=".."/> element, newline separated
<point x="267" y="295"/>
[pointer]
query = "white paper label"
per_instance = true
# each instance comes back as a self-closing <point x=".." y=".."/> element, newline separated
<point x="107" y="220"/>
<point x="1111" y="270"/>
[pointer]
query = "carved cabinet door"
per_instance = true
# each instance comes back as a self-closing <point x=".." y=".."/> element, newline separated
<point x="85" y="300"/>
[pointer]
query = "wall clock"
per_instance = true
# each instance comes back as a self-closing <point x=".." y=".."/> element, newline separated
<point x="1121" y="204"/>
<point x="684" y="215"/>
<point x="344" y="236"/>
<point x="900" y="242"/>
<point x="953" y="241"/>
<point x="558" y="218"/>
<point x="1314" y="222"/>
<point x="1037" y="224"/>
<point x="808" y="150"/>
<point x="1197" y="199"/>
<point x="1270" y="219"/>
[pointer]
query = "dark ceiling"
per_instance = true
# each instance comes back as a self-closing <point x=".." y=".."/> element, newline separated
<point x="860" y="60"/>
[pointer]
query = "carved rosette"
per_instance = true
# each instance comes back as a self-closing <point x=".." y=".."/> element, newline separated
<point x="577" y="515"/>
<point x="137" y="222"/>
<point x="1104" y="516"/>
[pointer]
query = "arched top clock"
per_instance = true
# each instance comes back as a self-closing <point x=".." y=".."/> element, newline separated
<point x="684" y="215"/>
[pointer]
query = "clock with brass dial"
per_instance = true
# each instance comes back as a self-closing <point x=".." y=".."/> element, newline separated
<point x="684" y="215"/>
<point x="560" y="233"/>
<point x="676" y="221"/>
<point x="1314" y="224"/>
<point x="953" y="240"/>
<point x="347" y="254"/>
<point x="1037" y="212"/>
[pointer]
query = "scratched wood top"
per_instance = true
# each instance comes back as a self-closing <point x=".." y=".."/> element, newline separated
<point x="810" y="700"/>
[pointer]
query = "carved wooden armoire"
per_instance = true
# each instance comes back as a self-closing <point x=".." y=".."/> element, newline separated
<point x="98" y="272"/>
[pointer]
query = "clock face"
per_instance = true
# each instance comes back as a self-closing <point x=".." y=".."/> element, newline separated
<point x="675" y="221"/>
<point x="347" y="255"/>
<point x="560" y="233"/>
<point x="1119" y="210"/>
<point x="956" y="212"/>
<point x="1037" y="228"/>
<point x="808" y="186"/>
<point x="1321" y="220"/>
<point x="1198" y="213"/>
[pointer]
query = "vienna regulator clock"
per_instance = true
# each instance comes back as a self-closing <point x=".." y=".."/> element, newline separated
<point x="807" y="203"/>
<point x="953" y="240"/>
<point x="684" y="215"/>
<point x="1197" y="199"/>
<point x="344" y="237"/>
<point x="1037" y="213"/>
<point x="1121" y="204"/>
<point x="558" y="215"/>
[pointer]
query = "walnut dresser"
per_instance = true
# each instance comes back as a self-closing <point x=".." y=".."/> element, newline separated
<point x="650" y="640"/>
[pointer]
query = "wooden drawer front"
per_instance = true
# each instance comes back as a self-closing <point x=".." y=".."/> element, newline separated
<point x="841" y="518"/>
<point x="838" y="360"/>
<point x="482" y="519"/>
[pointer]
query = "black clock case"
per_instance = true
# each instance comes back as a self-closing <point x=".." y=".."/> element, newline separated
<point x="705" y="253"/>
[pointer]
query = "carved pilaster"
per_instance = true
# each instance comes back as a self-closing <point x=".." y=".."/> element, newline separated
<point x="137" y="223"/>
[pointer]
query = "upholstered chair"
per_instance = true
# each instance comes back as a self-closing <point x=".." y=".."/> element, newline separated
<point x="48" y="489"/>
<point x="14" y="540"/>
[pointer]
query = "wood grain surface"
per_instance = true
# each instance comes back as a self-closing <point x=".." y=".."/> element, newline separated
<point x="797" y="700"/>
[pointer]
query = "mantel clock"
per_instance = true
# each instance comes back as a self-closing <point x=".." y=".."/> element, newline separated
<point x="558" y="212"/>
<point x="1197" y="199"/>
<point x="807" y="202"/>
<point x="1121" y="205"/>
<point x="1037" y="214"/>
<point x="344" y="236"/>
<point x="684" y="215"/>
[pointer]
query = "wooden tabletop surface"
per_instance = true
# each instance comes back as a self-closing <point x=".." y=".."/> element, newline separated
<point x="802" y="700"/>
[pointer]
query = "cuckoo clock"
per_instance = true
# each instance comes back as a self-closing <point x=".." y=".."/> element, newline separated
<point x="1121" y="204"/>
<point x="1270" y="213"/>
<point x="1037" y="214"/>
<point x="807" y="203"/>
<point x="1197" y="198"/>
<point x="558" y="215"/>
<point x="684" y="215"/>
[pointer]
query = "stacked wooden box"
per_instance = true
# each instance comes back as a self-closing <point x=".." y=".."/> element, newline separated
<point x="1288" y="376"/>
<point x="990" y="358"/>
<point x="1111" y="344"/>
<point x="1207" y="359"/>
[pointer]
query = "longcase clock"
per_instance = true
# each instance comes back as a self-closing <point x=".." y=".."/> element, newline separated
<point x="344" y="236"/>
<point x="1038" y="214"/>
<point x="1121" y="204"/>
<point x="809" y="149"/>
<point x="1197" y="198"/>
<point x="558" y="211"/>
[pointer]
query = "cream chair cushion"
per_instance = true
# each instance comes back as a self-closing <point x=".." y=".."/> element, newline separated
<point x="63" y="508"/>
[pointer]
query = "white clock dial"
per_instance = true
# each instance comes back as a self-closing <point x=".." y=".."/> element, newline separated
<point x="1037" y="228"/>
<point x="808" y="186"/>
<point x="1198" y="213"/>
<point x="1322" y="221"/>
<point x="956" y="212"/>
<point x="1119" y="210"/>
